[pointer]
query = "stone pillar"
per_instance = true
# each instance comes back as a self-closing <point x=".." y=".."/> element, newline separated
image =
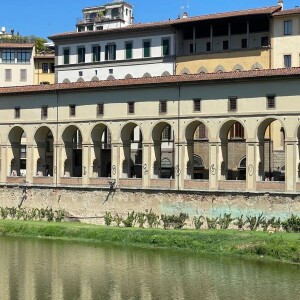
<point x="179" y="167"/>
<point x="4" y="164"/>
<point x="146" y="165"/>
<point x="125" y="160"/>
<point x="251" y="167"/>
<point x="214" y="165"/>
<point x="85" y="164"/>
<point x="223" y="160"/>
<point x="116" y="164"/>
<point x="260" y="157"/>
<point x="57" y="164"/>
<point x="189" y="160"/>
<point x="29" y="163"/>
<point x="290" y="164"/>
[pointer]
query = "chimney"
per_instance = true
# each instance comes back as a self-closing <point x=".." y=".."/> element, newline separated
<point x="280" y="3"/>
<point x="184" y="15"/>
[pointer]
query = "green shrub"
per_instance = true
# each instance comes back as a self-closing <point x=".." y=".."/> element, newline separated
<point x="108" y="218"/>
<point x="292" y="224"/>
<point x="152" y="219"/>
<point x="225" y="221"/>
<point x="141" y="219"/>
<point x="130" y="220"/>
<point x="177" y="222"/>
<point x="212" y="223"/>
<point x="198" y="222"/>
<point x="118" y="220"/>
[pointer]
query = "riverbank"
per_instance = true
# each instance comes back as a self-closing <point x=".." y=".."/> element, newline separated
<point x="278" y="246"/>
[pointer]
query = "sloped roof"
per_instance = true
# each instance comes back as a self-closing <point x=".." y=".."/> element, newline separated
<point x="155" y="81"/>
<point x="16" y="45"/>
<point x="292" y="11"/>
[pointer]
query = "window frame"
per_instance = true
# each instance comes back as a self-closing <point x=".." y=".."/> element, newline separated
<point x="17" y="112"/>
<point x="72" y="110"/>
<point x="163" y="107"/>
<point x="96" y="55"/>
<point x="6" y="73"/>
<point x="197" y="105"/>
<point x="44" y="112"/>
<point x="289" y="57"/>
<point x="8" y="53"/>
<point x="131" y="108"/>
<point x="66" y="56"/>
<point x="232" y="104"/>
<point x="23" y="56"/>
<point x="81" y="54"/>
<point x="45" y="70"/>
<point x="100" y="109"/>
<point x="23" y="75"/>
<point x="271" y="105"/>
<point x="129" y="50"/>
<point x="145" y="48"/>
<point x="288" y="27"/>
<point x="110" y="48"/>
<point x="168" y="46"/>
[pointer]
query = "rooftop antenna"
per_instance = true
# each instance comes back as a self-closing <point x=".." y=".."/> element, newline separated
<point x="185" y="8"/>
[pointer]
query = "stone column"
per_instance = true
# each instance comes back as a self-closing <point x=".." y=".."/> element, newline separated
<point x="251" y="167"/>
<point x="125" y="160"/>
<point x="116" y="164"/>
<point x="29" y="163"/>
<point x="4" y="164"/>
<point x="57" y="164"/>
<point x="85" y="164"/>
<point x="214" y="165"/>
<point x="179" y="165"/>
<point x="146" y="167"/>
<point x="290" y="164"/>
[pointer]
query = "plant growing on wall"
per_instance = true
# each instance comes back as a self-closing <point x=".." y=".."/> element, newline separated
<point x="198" y="222"/>
<point x="108" y="218"/>
<point x="152" y="219"/>
<point x="225" y="221"/>
<point x="141" y="219"/>
<point x="130" y="220"/>
<point x="212" y="222"/>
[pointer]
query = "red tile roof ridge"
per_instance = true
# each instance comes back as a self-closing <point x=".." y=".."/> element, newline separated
<point x="159" y="80"/>
<point x="16" y="45"/>
<point x="295" y="10"/>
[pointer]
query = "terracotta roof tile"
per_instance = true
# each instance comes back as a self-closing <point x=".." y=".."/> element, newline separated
<point x="16" y="45"/>
<point x="288" y="12"/>
<point x="167" y="80"/>
<point x="170" y="23"/>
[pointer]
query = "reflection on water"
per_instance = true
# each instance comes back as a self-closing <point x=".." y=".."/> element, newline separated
<point x="46" y="269"/>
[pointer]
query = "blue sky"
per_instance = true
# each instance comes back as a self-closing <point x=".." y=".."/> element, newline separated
<point x="45" y="18"/>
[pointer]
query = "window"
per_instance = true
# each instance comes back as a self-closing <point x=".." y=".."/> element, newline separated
<point x="197" y="105"/>
<point x="232" y="104"/>
<point x="23" y="153"/>
<point x="17" y="112"/>
<point x="80" y="28"/>
<point x="100" y="109"/>
<point x="131" y="107"/>
<point x="163" y="107"/>
<point x="191" y="48"/>
<point x="72" y="109"/>
<point x="23" y="56"/>
<point x="244" y="43"/>
<point x="51" y="67"/>
<point x="90" y="27"/>
<point x="166" y="47"/>
<point x="99" y="28"/>
<point x="8" y="56"/>
<point x="288" y="27"/>
<point x="146" y="46"/>
<point x="23" y="75"/>
<point x="128" y="50"/>
<point x="166" y="133"/>
<point x="44" y="112"/>
<point x="44" y="68"/>
<point x="237" y="131"/>
<point x="7" y="74"/>
<point x="81" y="55"/>
<point x="225" y="45"/>
<point x="208" y="46"/>
<point x="110" y="52"/>
<point x="66" y="56"/>
<point x="287" y="61"/>
<point x="80" y="73"/>
<point x="270" y="101"/>
<point x="96" y="50"/>
<point x="265" y="41"/>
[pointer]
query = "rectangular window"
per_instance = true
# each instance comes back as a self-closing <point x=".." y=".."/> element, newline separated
<point x="66" y="56"/>
<point x="44" y="68"/>
<point x="81" y="54"/>
<point x="225" y="45"/>
<point x="288" y="27"/>
<point x="96" y="50"/>
<point x="232" y="103"/>
<point x="8" y="56"/>
<point x="90" y="27"/>
<point x="44" y="112"/>
<point x="7" y="74"/>
<point x="166" y="47"/>
<point x="100" y="109"/>
<point x="17" y="112"/>
<point x="265" y="41"/>
<point x="72" y="109"/>
<point x="128" y="47"/>
<point x="146" y="46"/>
<point x="23" y="153"/>
<point x="110" y="52"/>
<point x="23" y="56"/>
<point x="51" y="67"/>
<point x="131" y="107"/>
<point x="287" y="61"/>
<point x="163" y="107"/>
<point x="270" y="101"/>
<point x="197" y="105"/>
<point x="191" y="48"/>
<point x="23" y="75"/>
<point x="208" y="46"/>
<point x="244" y="43"/>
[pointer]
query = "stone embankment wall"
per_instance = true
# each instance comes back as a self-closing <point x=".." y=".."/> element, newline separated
<point x="90" y="205"/>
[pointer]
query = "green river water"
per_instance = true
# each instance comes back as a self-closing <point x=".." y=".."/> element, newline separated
<point x="53" y="269"/>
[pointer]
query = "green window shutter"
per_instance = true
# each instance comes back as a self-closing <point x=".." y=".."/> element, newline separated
<point x="166" y="47"/>
<point x="147" y="49"/>
<point x="128" y="50"/>
<point x="106" y="52"/>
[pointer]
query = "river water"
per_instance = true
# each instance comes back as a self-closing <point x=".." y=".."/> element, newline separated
<point x="52" y="269"/>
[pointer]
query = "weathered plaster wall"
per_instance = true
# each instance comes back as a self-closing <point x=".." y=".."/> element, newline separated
<point x="92" y="204"/>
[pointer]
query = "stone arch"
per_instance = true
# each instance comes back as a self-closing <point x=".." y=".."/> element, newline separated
<point x="165" y="73"/>
<point x="72" y="156"/>
<point x="197" y="137"/>
<point x="110" y="77"/>
<point x="238" y="68"/>
<point x="202" y="70"/>
<point x="95" y="78"/>
<point x="147" y="75"/>
<point x="232" y="135"/>
<point x="219" y="69"/>
<point x="80" y="79"/>
<point x="270" y="133"/>
<point x="185" y="71"/>
<point x="66" y="80"/>
<point x="18" y="152"/>
<point x="128" y="76"/>
<point x="163" y="137"/>
<point x="132" y="139"/>
<point x="43" y="154"/>
<point x="257" y="66"/>
<point x="101" y="152"/>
